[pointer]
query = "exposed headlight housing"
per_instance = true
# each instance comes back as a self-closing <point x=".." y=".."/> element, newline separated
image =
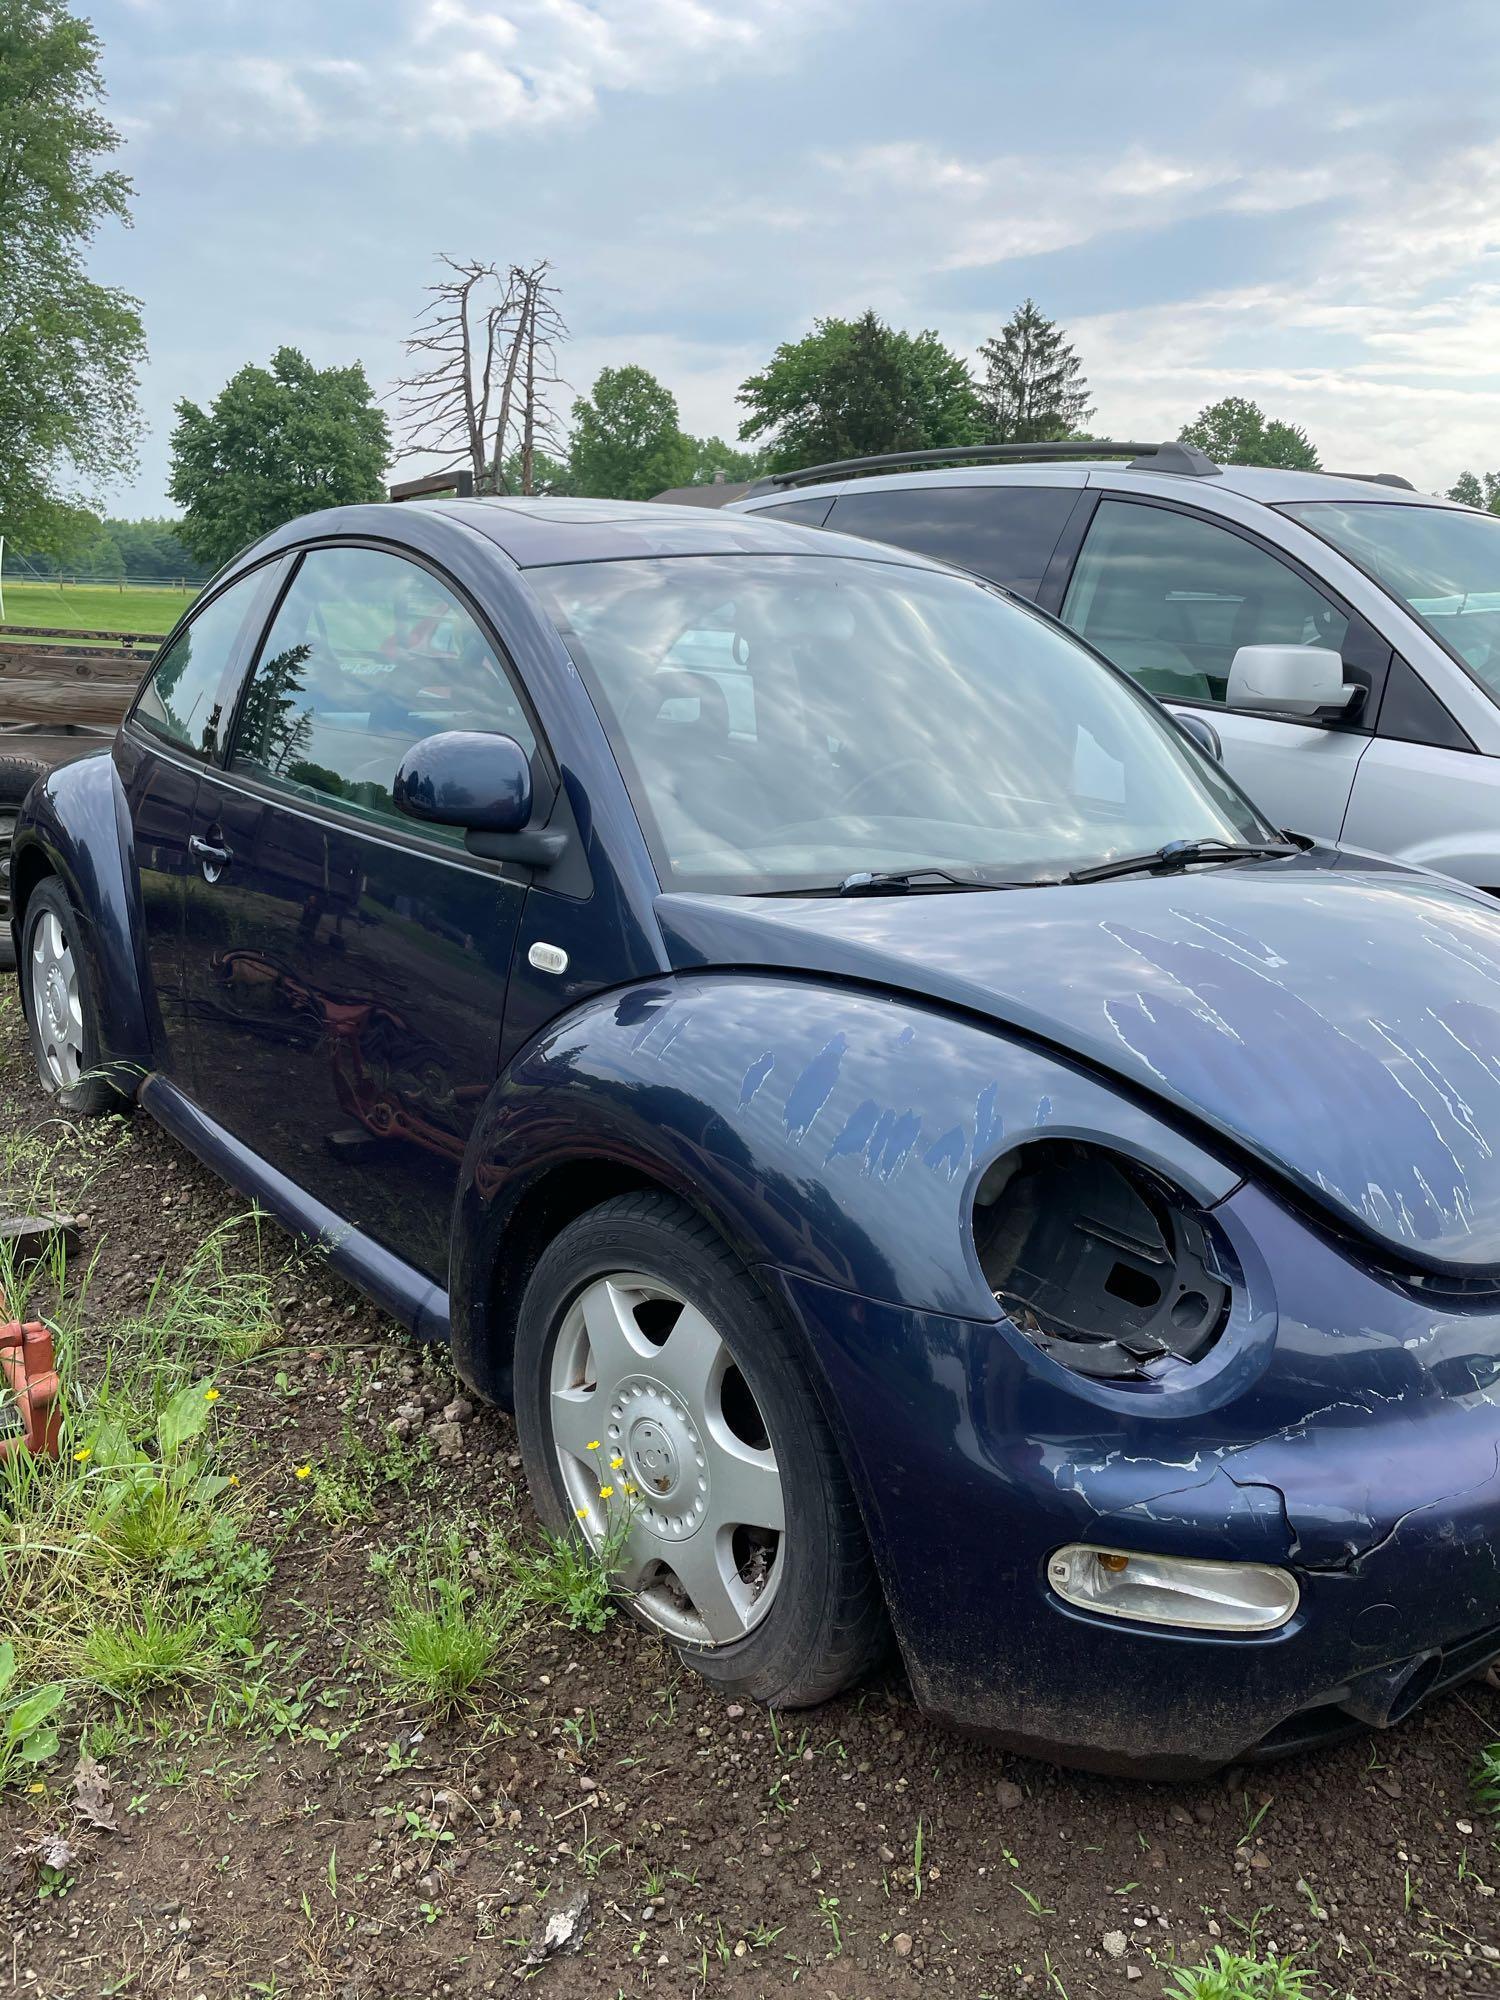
<point x="1098" y="1260"/>
<point x="1174" y="1590"/>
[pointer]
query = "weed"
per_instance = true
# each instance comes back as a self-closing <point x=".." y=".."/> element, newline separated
<point x="443" y="1639"/>
<point x="1487" y="1778"/>
<point x="828" y="1908"/>
<point x="565" y="1577"/>
<point x="1227" y="1975"/>
<point x="27" y="1738"/>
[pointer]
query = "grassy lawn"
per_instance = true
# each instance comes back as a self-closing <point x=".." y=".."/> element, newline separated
<point x="95" y="607"/>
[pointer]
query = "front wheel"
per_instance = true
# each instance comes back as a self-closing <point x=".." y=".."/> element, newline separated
<point x="61" y="1013"/>
<point x="665" y="1415"/>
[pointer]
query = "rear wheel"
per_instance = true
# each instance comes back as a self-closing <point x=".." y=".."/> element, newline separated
<point x="61" y="1012"/>
<point x="665" y="1415"/>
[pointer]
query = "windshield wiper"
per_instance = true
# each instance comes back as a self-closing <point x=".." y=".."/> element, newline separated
<point x="1177" y="854"/>
<point x="899" y="881"/>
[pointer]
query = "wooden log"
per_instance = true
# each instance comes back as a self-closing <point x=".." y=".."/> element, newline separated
<point x="151" y="639"/>
<point x="18" y="663"/>
<point x="65" y="701"/>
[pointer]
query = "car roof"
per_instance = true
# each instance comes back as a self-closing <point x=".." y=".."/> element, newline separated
<point x="1271" y="485"/>
<point x="541" y="531"/>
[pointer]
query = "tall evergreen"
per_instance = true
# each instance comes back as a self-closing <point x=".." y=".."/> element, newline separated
<point x="1033" y="388"/>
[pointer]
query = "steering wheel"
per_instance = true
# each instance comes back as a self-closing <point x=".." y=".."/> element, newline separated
<point x="846" y="803"/>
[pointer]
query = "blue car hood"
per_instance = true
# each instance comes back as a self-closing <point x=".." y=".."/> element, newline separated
<point x="1335" y="1017"/>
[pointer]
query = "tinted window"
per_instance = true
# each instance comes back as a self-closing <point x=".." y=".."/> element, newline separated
<point x="898" y="718"/>
<point x="367" y="655"/>
<point x="180" y="700"/>
<point x="1170" y="599"/>
<point x="1006" y="533"/>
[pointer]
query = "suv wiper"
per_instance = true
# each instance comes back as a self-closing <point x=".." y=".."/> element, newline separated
<point x="1177" y="854"/>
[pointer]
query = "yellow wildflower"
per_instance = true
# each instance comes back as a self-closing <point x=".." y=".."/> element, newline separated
<point x="234" y="1479"/>
<point x="606" y="1492"/>
<point x="80" y="1457"/>
<point x="582" y="1513"/>
<point x="210" y="1395"/>
<point x="303" y="1471"/>
<point x="592" y="1445"/>
<point x="630" y="1490"/>
<point x="616" y="1462"/>
<point x="36" y="1788"/>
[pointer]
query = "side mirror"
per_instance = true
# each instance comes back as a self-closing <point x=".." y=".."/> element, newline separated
<point x="465" y="778"/>
<point x="1290" y="680"/>
<point x="1202" y="732"/>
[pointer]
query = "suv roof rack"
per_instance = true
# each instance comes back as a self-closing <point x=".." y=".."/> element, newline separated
<point x="1375" y="479"/>
<point x="1173" y="456"/>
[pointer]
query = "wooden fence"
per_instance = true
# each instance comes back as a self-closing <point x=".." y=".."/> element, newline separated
<point x="53" y="675"/>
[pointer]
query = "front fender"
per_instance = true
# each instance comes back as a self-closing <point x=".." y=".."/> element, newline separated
<point x="825" y="1130"/>
<point x="75" y="825"/>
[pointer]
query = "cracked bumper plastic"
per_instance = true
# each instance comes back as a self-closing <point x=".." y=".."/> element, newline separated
<point x="1347" y="1431"/>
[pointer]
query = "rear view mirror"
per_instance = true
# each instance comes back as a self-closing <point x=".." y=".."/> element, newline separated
<point x="1290" y="680"/>
<point x="466" y="778"/>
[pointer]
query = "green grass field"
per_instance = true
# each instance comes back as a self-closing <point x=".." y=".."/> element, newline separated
<point x="94" y="607"/>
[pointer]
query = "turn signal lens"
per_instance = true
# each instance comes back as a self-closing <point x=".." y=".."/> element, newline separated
<point x="1174" y="1590"/>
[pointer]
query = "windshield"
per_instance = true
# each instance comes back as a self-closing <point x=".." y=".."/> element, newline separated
<point x="1442" y="562"/>
<point x="785" y="721"/>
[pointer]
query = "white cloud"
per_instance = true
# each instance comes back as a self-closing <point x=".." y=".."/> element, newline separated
<point x="465" y="68"/>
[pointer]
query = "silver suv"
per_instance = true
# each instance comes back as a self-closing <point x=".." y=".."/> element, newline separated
<point x="1340" y="633"/>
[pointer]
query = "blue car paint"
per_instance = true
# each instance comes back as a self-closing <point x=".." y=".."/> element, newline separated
<point x="828" y="1080"/>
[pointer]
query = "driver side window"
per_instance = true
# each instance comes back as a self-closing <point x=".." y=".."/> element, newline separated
<point x="367" y="654"/>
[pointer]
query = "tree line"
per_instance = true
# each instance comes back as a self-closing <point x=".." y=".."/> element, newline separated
<point x="483" y="391"/>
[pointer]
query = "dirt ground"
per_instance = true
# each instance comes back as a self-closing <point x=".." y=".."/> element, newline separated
<point x="335" y="1841"/>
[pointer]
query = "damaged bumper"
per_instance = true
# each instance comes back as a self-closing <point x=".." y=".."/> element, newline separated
<point x="1346" y="1430"/>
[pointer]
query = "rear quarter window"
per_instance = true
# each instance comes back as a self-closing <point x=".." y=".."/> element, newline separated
<point x="1005" y="533"/>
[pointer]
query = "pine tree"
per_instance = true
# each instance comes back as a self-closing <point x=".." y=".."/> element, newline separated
<point x="1034" y="387"/>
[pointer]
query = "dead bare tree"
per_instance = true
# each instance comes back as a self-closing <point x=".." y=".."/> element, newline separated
<point x="486" y="347"/>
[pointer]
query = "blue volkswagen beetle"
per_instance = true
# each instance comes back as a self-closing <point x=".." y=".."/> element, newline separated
<point x="915" y="1148"/>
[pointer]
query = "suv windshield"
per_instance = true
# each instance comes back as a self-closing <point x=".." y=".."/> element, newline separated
<point x="784" y="721"/>
<point x="1442" y="562"/>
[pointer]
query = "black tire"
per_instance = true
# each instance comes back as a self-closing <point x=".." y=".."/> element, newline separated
<point x="93" y="1094"/>
<point x="826" y="1626"/>
<point x="26" y="754"/>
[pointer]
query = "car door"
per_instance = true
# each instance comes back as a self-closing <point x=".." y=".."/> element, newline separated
<point x="169" y="737"/>
<point x="346" y="967"/>
<point x="1169" y="597"/>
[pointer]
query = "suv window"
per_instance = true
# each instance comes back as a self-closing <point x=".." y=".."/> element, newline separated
<point x="367" y="654"/>
<point x="180" y="700"/>
<point x="1007" y="533"/>
<point x="1170" y="599"/>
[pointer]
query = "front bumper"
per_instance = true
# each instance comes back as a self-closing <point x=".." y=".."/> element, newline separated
<point x="1346" y="1430"/>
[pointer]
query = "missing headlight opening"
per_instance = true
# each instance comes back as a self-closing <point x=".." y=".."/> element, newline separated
<point x="1099" y="1261"/>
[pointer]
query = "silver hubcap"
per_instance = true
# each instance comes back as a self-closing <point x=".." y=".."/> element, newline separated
<point x="665" y="1458"/>
<point x="56" y="1009"/>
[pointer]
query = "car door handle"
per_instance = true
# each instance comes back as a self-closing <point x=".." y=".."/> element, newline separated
<point x="210" y="853"/>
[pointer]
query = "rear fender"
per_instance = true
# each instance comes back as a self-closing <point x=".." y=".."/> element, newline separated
<point x="823" y="1130"/>
<point x="75" y="825"/>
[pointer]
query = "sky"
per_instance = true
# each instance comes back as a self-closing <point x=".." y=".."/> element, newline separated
<point x="1295" y="202"/>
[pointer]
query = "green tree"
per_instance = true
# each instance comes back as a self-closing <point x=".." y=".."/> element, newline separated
<point x="1473" y="491"/>
<point x="69" y="349"/>
<point x="627" y="441"/>
<point x="1033" y="389"/>
<point x="712" y="458"/>
<point x="275" y="443"/>
<point x="854" y="387"/>
<point x="1237" y="432"/>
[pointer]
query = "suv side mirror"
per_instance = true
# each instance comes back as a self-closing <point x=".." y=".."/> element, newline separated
<point x="1198" y="729"/>
<point x="1290" y="680"/>
<point x="466" y="778"/>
